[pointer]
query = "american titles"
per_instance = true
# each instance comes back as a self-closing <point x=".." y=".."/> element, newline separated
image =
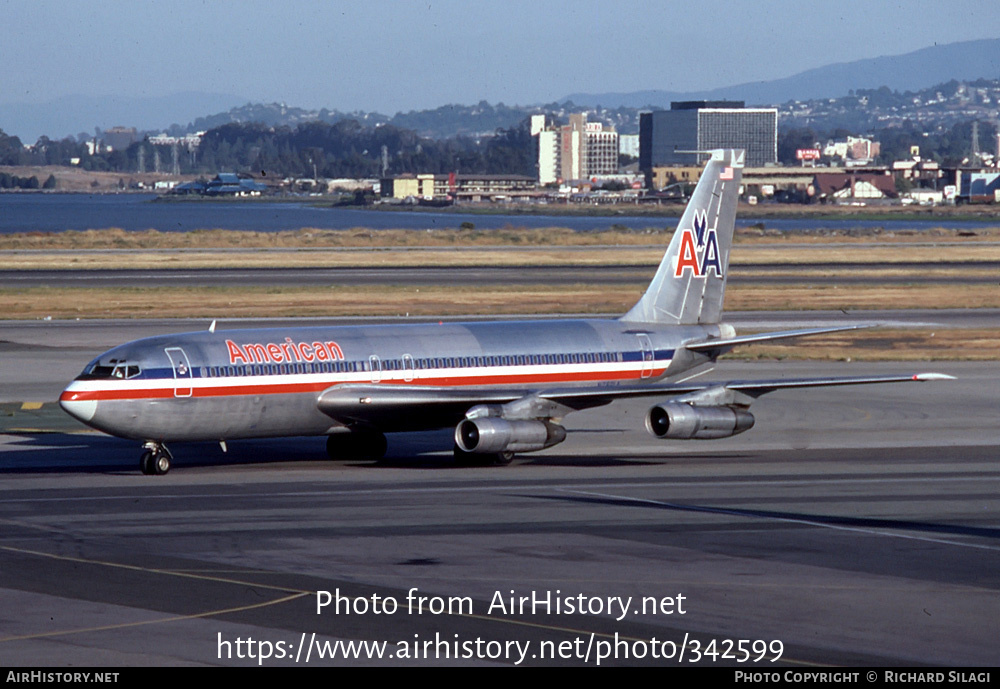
<point x="287" y="352"/>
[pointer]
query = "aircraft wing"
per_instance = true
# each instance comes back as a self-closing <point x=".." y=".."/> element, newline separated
<point x="399" y="407"/>
<point x="753" y="388"/>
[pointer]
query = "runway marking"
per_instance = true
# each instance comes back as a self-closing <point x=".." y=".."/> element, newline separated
<point x="177" y="618"/>
<point x="151" y="570"/>
<point x="38" y="527"/>
<point x="792" y="520"/>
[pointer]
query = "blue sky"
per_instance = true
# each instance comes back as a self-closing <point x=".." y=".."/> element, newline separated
<point x="392" y="56"/>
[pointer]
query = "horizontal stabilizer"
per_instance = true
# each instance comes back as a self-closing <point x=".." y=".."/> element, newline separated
<point x="732" y="342"/>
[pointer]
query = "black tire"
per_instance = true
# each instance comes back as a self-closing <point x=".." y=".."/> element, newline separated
<point x="146" y="463"/>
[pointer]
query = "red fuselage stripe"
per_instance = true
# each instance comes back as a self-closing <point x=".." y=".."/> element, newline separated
<point x="315" y="387"/>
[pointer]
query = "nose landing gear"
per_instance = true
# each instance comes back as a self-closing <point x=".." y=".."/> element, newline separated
<point x="155" y="459"/>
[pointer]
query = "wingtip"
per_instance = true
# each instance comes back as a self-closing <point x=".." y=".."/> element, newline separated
<point x="933" y="376"/>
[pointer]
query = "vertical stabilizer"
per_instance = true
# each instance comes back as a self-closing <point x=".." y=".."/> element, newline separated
<point x="690" y="283"/>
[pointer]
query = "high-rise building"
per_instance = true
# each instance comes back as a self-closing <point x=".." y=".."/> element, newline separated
<point x="548" y="156"/>
<point x="601" y="149"/>
<point x="707" y="125"/>
<point x="628" y="145"/>
<point x="576" y="150"/>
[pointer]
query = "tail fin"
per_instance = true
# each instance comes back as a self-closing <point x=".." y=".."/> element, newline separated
<point x="691" y="281"/>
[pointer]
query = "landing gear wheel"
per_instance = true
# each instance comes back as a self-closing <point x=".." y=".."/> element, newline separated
<point x="357" y="446"/>
<point x="161" y="464"/>
<point x="155" y="459"/>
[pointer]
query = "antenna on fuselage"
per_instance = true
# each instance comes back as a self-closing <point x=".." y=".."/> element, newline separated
<point x="211" y="328"/>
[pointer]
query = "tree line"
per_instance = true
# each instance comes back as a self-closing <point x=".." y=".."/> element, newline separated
<point x="342" y="149"/>
<point x="347" y="148"/>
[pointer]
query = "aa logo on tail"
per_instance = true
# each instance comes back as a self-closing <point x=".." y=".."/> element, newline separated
<point x="699" y="250"/>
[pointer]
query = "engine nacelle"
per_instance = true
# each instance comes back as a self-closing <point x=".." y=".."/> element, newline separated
<point x="681" y="421"/>
<point x="488" y="434"/>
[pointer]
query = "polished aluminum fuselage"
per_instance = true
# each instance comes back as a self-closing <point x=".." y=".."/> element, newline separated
<point x="267" y="382"/>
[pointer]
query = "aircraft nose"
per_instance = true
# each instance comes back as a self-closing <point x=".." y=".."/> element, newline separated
<point x="80" y="409"/>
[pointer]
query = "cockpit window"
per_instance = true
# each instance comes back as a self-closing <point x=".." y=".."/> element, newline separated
<point x="113" y="369"/>
<point x="125" y="371"/>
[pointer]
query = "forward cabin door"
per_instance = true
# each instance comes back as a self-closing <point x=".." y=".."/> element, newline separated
<point x="182" y="371"/>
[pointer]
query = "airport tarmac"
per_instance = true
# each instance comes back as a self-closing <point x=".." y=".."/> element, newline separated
<point x="854" y="526"/>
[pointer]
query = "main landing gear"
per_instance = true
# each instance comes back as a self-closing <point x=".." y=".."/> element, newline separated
<point x="366" y="446"/>
<point x="155" y="459"/>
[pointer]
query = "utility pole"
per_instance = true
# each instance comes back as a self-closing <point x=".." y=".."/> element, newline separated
<point x="976" y="155"/>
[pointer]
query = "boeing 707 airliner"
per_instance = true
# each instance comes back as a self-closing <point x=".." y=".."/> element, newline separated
<point x="504" y="385"/>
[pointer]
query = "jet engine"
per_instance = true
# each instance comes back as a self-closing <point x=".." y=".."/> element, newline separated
<point x="682" y="421"/>
<point x="490" y="434"/>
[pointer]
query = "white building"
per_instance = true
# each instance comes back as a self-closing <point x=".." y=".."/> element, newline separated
<point x="577" y="150"/>
<point x="548" y="156"/>
<point x="628" y="145"/>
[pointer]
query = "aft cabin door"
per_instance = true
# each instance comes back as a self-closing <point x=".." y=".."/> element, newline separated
<point x="182" y="371"/>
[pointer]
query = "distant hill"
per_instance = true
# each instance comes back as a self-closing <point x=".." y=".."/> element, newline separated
<point x="867" y="110"/>
<point x="71" y="115"/>
<point x="440" y="123"/>
<point x="965" y="61"/>
<point x="944" y="66"/>
<point x="272" y="115"/>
